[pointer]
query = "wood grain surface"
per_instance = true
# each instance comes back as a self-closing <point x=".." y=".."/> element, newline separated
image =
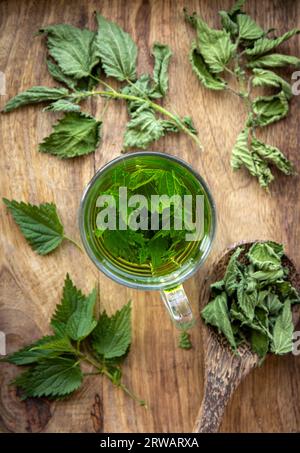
<point x="171" y="380"/>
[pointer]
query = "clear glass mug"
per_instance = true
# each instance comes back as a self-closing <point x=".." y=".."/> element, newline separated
<point x="170" y="284"/>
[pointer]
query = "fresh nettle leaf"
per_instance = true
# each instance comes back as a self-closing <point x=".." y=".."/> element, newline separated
<point x="82" y="322"/>
<point x="77" y="57"/>
<point x="256" y="308"/>
<point x="74" y="50"/>
<point x="112" y="335"/>
<point x="54" y="362"/>
<point x="40" y="225"/>
<point x="34" y="95"/>
<point x="54" y="377"/>
<point x="76" y="134"/>
<point x="117" y="50"/>
<point x="240" y="51"/>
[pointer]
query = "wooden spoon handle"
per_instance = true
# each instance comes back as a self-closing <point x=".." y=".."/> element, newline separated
<point x="217" y="393"/>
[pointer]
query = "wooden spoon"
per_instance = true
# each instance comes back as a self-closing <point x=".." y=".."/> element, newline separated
<point x="224" y="370"/>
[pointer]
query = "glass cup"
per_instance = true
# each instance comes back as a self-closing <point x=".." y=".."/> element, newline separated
<point x="169" y="283"/>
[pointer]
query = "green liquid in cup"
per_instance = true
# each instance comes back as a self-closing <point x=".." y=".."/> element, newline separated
<point x="146" y="257"/>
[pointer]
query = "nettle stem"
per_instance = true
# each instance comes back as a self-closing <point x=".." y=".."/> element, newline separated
<point x="102" y="369"/>
<point x="114" y="94"/>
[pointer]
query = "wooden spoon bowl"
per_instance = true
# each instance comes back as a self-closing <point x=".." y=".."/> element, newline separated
<point x="223" y="369"/>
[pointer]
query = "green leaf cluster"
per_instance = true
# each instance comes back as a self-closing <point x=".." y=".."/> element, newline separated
<point x="151" y="248"/>
<point x="77" y="58"/>
<point x="245" y="52"/>
<point x="252" y="303"/>
<point x="54" y="361"/>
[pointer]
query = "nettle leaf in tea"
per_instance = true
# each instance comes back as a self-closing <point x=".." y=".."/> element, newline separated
<point x="252" y="304"/>
<point x="150" y="215"/>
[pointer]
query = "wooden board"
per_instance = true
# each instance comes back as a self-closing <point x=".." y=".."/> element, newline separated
<point x="171" y="380"/>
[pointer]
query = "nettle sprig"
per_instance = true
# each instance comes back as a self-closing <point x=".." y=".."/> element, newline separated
<point x="79" y="58"/>
<point x="243" y="51"/>
<point x="80" y="345"/>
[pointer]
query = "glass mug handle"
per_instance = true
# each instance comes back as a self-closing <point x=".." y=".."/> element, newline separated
<point x="179" y="307"/>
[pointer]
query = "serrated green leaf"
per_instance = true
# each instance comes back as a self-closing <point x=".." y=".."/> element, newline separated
<point x="216" y="313"/>
<point x="270" y="109"/>
<point x="275" y="60"/>
<point x="232" y="275"/>
<point x="117" y="50"/>
<point x="112" y="336"/>
<point x="248" y="28"/>
<point x="73" y="49"/>
<point x="40" y="225"/>
<point x="263" y="257"/>
<point x="273" y="304"/>
<point x="162" y="54"/>
<point x="71" y="299"/>
<point x="62" y="105"/>
<point x="267" y="277"/>
<point x="54" y="377"/>
<point x="282" y="342"/>
<point x="264" y="45"/>
<point x="242" y="157"/>
<point x="247" y="301"/>
<point x="209" y="80"/>
<point x="58" y="75"/>
<point x="263" y="77"/>
<point x="273" y="155"/>
<point x="56" y="345"/>
<point x="227" y="23"/>
<point x="82" y="322"/>
<point x="215" y="46"/>
<point x="34" y="95"/>
<point x="143" y="128"/>
<point x="31" y="353"/>
<point x="259" y="343"/>
<point x="74" y="135"/>
<point x="236" y="8"/>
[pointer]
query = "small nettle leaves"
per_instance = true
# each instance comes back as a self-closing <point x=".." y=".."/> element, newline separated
<point x="254" y="311"/>
<point x="74" y="135"/>
<point x="263" y="77"/>
<point x="34" y="95"/>
<point x="73" y="49"/>
<point x="143" y="128"/>
<point x="58" y="74"/>
<point x="117" y="50"/>
<point x="40" y="225"/>
<point x="55" y="361"/>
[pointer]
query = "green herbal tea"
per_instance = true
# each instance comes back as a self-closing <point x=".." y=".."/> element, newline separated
<point x="147" y="251"/>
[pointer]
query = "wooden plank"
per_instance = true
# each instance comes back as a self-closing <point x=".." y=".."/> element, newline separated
<point x="168" y="378"/>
